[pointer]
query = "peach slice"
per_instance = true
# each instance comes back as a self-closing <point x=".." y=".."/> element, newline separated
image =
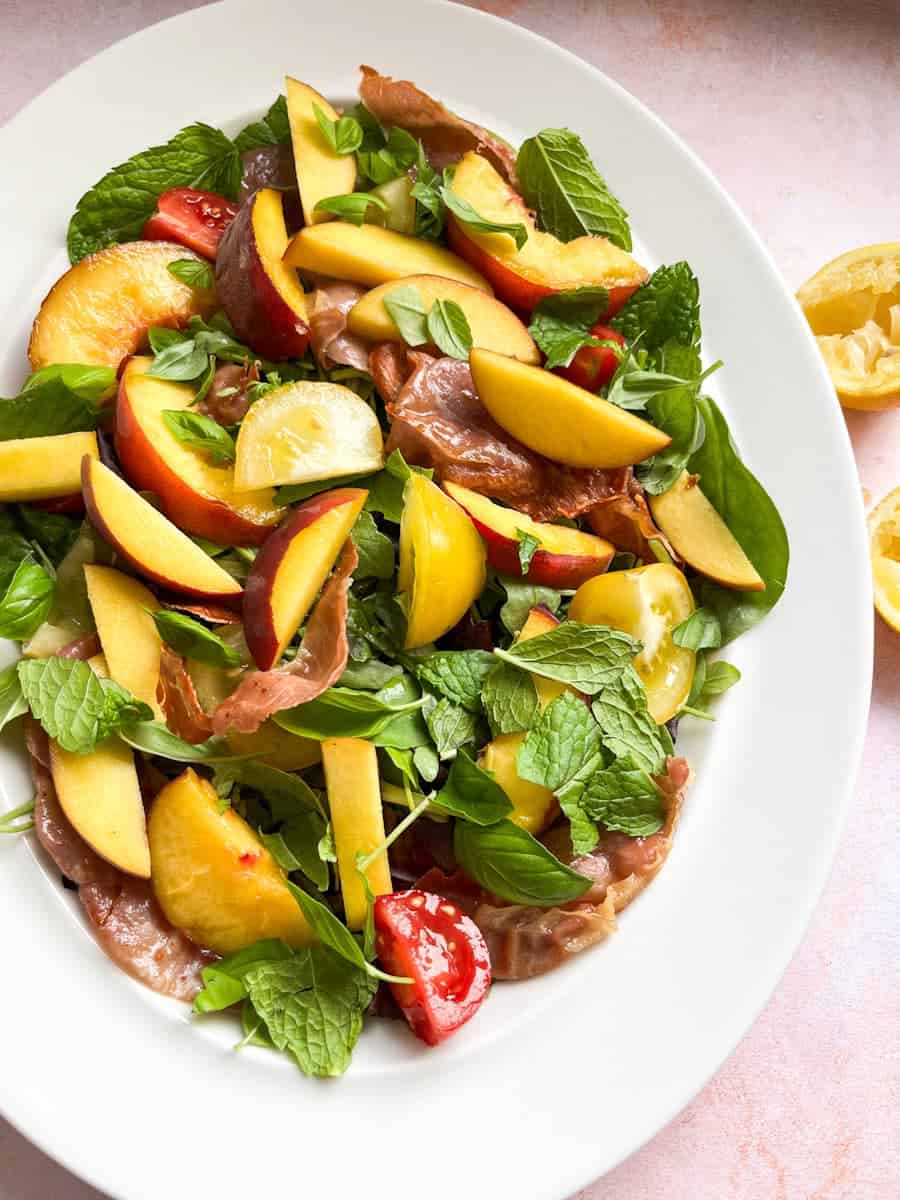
<point x="100" y="794"/>
<point x="290" y="569"/>
<point x="261" y="296"/>
<point x="647" y="603"/>
<point x="100" y="310"/>
<point x="566" y="558"/>
<point x="320" y="171"/>
<point x="154" y="546"/>
<point x="371" y="255"/>
<point x="558" y="419"/>
<point x="442" y="562"/>
<point x="492" y="324"/>
<point x="131" y="645"/>
<point x="200" y="497"/>
<point x="213" y="877"/>
<point x="544" y="264"/>
<point x="42" y="467"/>
<point x="354" y="799"/>
<point x="306" y="431"/>
<point x="700" y="536"/>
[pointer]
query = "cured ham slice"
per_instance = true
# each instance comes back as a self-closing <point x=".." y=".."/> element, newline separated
<point x="227" y="400"/>
<point x="177" y="696"/>
<point x="332" y="343"/>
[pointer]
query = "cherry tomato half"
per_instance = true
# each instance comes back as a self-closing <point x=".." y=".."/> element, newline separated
<point x="191" y="218"/>
<point x="430" y="940"/>
<point x="594" y="366"/>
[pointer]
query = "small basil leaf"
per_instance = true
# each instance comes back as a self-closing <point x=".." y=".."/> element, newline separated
<point x="512" y="864"/>
<point x="193" y="640"/>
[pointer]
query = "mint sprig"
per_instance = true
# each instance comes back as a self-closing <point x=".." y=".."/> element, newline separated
<point x="75" y="706"/>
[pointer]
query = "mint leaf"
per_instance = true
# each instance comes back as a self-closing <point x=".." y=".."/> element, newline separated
<point x="27" y="600"/>
<point x="406" y="308"/>
<point x="353" y="207"/>
<point x="666" y="307"/>
<point x="74" y="705"/>
<point x="375" y="549"/>
<point x="471" y="793"/>
<point x="386" y="487"/>
<point x="274" y="129"/>
<point x="115" y="209"/>
<point x="588" y="657"/>
<point x="561" y="323"/>
<point x="624" y="799"/>
<point x="675" y="411"/>
<point x="449" y="329"/>
<point x="528" y="547"/>
<point x="457" y="674"/>
<point x="700" y="631"/>
<point x="450" y="726"/>
<point x="343" y="135"/>
<point x="200" y="433"/>
<point x="12" y="700"/>
<point x="635" y="387"/>
<point x="521" y="598"/>
<point x="344" y="712"/>
<point x="224" y="980"/>
<point x="193" y="640"/>
<point x="510" y="699"/>
<point x="571" y="199"/>
<point x="466" y="215"/>
<point x="561" y="745"/>
<point x="628" y="730"/>
<point x="515" y="866"/>
<point x="193" y="272"/>
<point x="152" y="737"/>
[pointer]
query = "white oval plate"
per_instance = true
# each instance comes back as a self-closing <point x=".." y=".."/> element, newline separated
<point x="559" y="1079"/>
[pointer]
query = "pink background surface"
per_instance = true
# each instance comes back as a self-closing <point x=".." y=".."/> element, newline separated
<point x="796" y="107"/>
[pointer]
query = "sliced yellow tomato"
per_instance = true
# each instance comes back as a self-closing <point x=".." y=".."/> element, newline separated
<point x="884" y="546"/>
<point x="647" y="603"/>
<point x="853" y="308"/>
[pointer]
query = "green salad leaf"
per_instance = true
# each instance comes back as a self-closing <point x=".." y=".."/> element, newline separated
<point x="457" y="674"/>
<point x="450" y="726"/>
<point x="12" y="699"/>
<point x="152" y="737"/>
<point x="406" y="308"/>
<point x="344" y="712"/>
<point x="343" y="135"/>
<point x="521" y="598"/>
<point x="56" y="400"/>
<point x="201" y="433"/>
<point x="467" y="216"/>
<point x="512" y="864"/>
<point x="509" y="698"/>
<point x="561" y="323"/>
<point x="74" y="705"/>
<point x="449" y="329"/>
<point x="627" y="729"/>
<point x="472" y="794"/>
<point x="193" y="272"/>
<point x="274" y="129"/>
<point x="563" y="744"/>
<point x="375" y="549"/>
<point x="353" y="207"/>
<point x="666" y="307"/>
<point x="588" y="657"/>
<point x="26" y="600"/>
<point x="625" y="799"/>
<point x="700" y="631"/>
<point x="54" y="533"/>
<point x="193" y="640"/>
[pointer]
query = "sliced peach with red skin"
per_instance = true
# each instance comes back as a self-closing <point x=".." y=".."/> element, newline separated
<point x="155" y="547"/>
<point x="42" y="467"/>
<point x="544" y="264"/>
<point x="195" y="493"/>
<point x="566" y="557"/>
<point x="100" y="310"/>
<point x="291" y="568"/>
<point x="261" y="295"/>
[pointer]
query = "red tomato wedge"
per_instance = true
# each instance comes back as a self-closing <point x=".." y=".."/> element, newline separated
<point x="191" y="218"/>
<point x="431" y="941"/>
<point x="594" y="366"/>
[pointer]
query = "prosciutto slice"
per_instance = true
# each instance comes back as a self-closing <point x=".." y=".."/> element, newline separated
<point x="227" y="400"/>
<point x="332" y="343"/>
<point x="177" y="696"/>
<point x="624" y="519"/>
<point x="318" y="665"/>
<point x="445" y="137"/>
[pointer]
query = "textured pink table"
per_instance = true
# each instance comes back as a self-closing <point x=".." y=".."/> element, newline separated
<point x="795" y="106"/>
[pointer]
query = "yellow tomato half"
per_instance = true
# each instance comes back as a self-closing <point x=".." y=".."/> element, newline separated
<point x="647" y="603"/>
<point x="884" y="545"/>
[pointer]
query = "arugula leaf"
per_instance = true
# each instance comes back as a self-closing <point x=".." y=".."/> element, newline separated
<point x="562" y="744"/>
<point x="115" y="209"/>
<point x="457" y="674"/>
<point x="274" y="129"/>
<point x="287" y="794"/>
<point x="561" y="323"/>
<point x="449" y="329"/>
<point x="466" y="215"/>
<point x="588" y="657"/>
<point x="343" y="135"/>
<point x="559" y="181"/>
<point x="353" y="207"/>
<point x="74" y="705"/>
<point x="295" y="847"/>
<point x="152" y="737"/>
<point x="193" y="640"/>
<point x="54" y="533"/>
<point x="749" y="512"/>
<point x="450" y="725"/>
<point x="521" y="598"/>
<point x="528" y="547"/>
<point x="700" y="631"/>
<point x="343" y="712"/>
<point x="624" y="799"/>
<point x="200" y="433"/>
<point x="510" y="699"/>
<point x="515" y="866"/>
<point x="49" y="405"/>
<point x="193" y="272"/>
<point x="628" y="730"/>
<point x="666" y="307"/>
<point x="12" y="700"/>
<point x="406" y="308"/>
<point x="27" y="601"/>
<point x="375" y="549"/>
<point x="18" y="820"/>
<point x="472" y="794"/>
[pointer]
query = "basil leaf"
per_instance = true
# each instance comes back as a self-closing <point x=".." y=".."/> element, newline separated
<point x="353" y="207"/>
<point x="115" y="209"/>
<point x="588" y="657"/>
<point x="50" y="406"/>
<point x="450" y="726"/>
<point x="54" y="533"/>
<point x="12" y="700"/>
<point x="286" y="794"/>
<point x="515" y="866"/>
<point x="457" y="674"/>
<point x="274" y="129"/>
<point x="449" y="329"/>
<point x="375" y="549"/>
<point x="408" y="730"/>
<point x="295" y="847"/>
<point x="27" y="601"/>
<point x="343" y="712"/>
<point x="74" y="705"/>
<point x="521" y="598"/>
<point x="343" y="135"/>
<point x="628" y="730"/>
<point x="711" y="679"/>
<point x="386" y="487"/>
<point x="624" y="799"/>
<point x="327" y="928"/>
<point x="528" y="547"/>
<point x="466" y="215"/>
<point x="510" y="699"/>
<point x="471" y="793"/>
<point x="634" y="387"/>
<point x="181" y="362"/>
<point x="200" y="433"/>
<point x="406" y="308"/>
<point x="748" y="511"/>
<point x="193" y="272"/>
<point x="561" y="323"/>
<point x="93" y="385"/>
<point x="370" y="676"/>
<point x="562" y="743"/>
<point x="559" y="181"/>
<point x="700" y="631"/>
<point x="666" y="307"/>
<point x="193" y="640"/>
<point x="427" y="192"/>
<point x="152" y="737"/>
<point x="372" y="134"/>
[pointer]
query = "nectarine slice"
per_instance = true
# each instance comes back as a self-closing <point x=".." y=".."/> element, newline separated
<point x="292" y="566"/>
<point x="566" y="557"/>
<point x="442" y="562"/>
<point x="131" y="645"/>
<point x="213" y="877"/>
<point x="100" y="794"/>
<point x="357" y="818"/>
<point x="155" y="547"/>
<point x="493" y="325"/>
<point x="198" y="495"/>
<point x="544" y="264"/>
<point x="700" y="536"/>
<point x="101" y="309"/>
<point x="370" y="255"/>
<point x="558" y="419"/>
<point x="42" y="467"/>
<point x="320" y="171"/>
<point x="306" y="431"/>
<point x="647" y="603"/>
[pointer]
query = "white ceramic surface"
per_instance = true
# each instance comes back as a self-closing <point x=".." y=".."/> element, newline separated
<point x="558" y="1079"/>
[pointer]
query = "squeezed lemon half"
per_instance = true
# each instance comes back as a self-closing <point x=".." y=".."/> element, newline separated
<point x="884" y="547"/>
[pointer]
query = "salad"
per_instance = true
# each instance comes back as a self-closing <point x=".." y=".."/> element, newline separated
<point x="367" y="533"/>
